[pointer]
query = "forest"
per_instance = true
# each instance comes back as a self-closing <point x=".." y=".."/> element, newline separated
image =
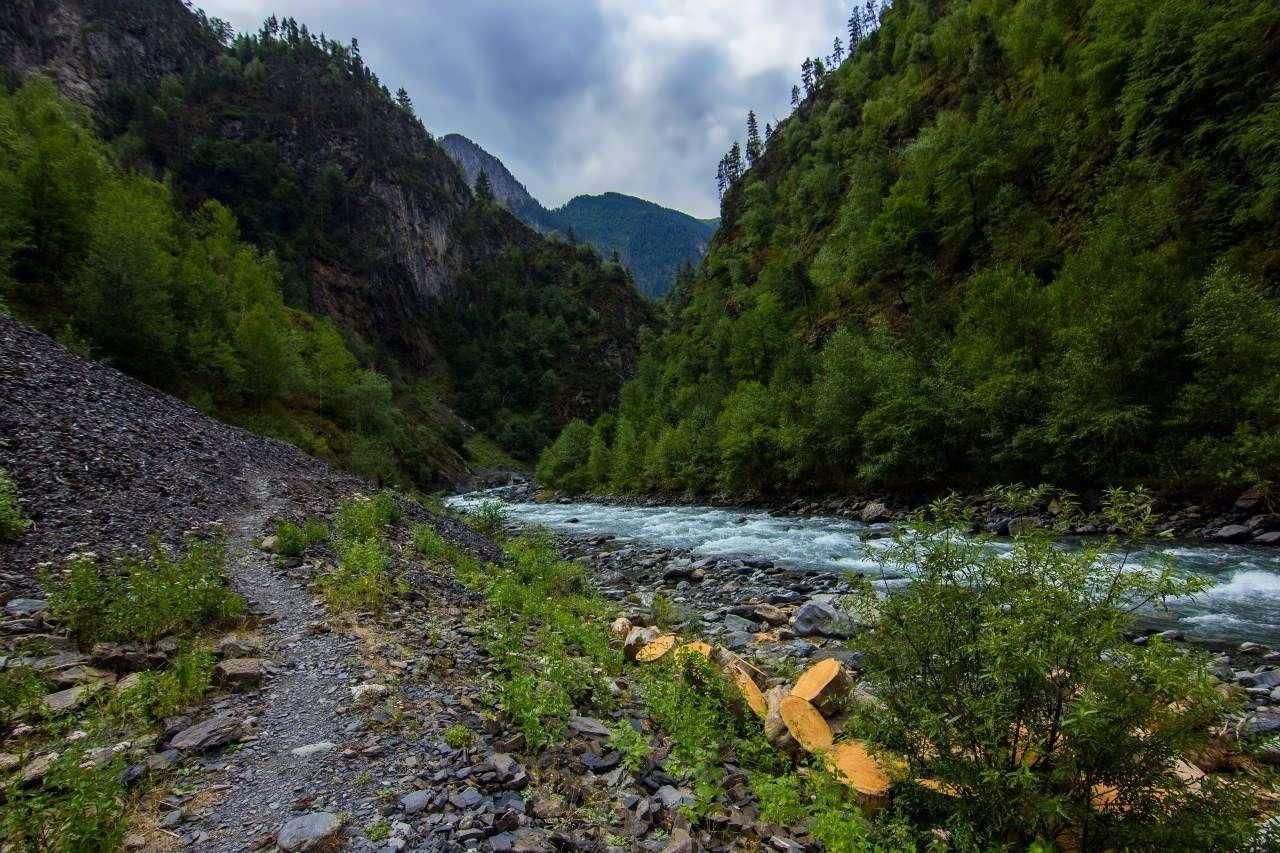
<point x="1021" y="240"/>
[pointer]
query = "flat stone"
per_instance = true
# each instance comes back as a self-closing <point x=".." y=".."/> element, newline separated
<point x="823" y="619"/>
<point x="311" y="749"/>
<point x="589" y="726"/>
<point x="308" y="831"/>
<point x="25" y="606"/>
<point x="9" y="762"/>
<point x="415" y="802"/>
<point x="771" y="613"/>
<point x="34" y="772"/>
<point x="218" y="730"/>
<point x="72" y="697"/>
<point x="367" y="693"/>
<point x="81" y="674"/>
<point x="238" y="647"/>
<point x="1261" y="679"/>
<point x="239" y="672"/>
<point x="1230" y="533"/>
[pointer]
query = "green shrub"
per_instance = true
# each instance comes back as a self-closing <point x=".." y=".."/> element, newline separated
<point x="143" y="597"/>
<point x="74" y="810"/>
<point x="488" y="519"/>
<point x="633" y="745"/>
<point x="13" y="523"/>
<point x="430" y="544"/>
<point x="22" y="690"/>
<point x="363" y="517"/>
<point x="361" y="581"/>
<point x="664" y="611"/>
<point x="161" y="694"/>
<point x="1009" y="677"/>
<point x="292" y="539"/>
<point x="459" y="736"/>
<point x="538" y="706"/>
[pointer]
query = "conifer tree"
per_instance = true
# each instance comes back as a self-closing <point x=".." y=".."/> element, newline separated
<point x="806" y="76"/>
<point x="735" y="163"/>
<point x="795" y="97"/>
<point x="855" y="30"/>
<point x="484" y="189"/>
<point x="754" y="148"/>
<point x="768" y="134"/>
<point x="837" y="53"/>
<point x="403" y="101"/>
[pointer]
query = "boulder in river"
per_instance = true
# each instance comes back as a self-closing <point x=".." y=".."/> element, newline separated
<point x="819" y="618"/>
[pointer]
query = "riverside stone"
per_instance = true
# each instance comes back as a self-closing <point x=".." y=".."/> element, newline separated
<point x="308" y="831"/>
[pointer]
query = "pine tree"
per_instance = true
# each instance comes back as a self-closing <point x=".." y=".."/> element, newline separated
<point x="403" y="101"/>
<point x="837" y="53"/>
<point x="795" y="97"/>
<point x="806" y="76"/>
<point x="768" y="134"/>
<point x="735" y="163"/>
<point x="855" y="30"/>
<point x="754" y="148"/>
<point x="870" y="20"/>
<point x="484" y="189"/>
<point x="819" y="72"/>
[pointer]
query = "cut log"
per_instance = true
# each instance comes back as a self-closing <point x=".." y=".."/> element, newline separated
<point x="805" y="724"/>
<point x="728" y="660"/>
<point x="697" y="647"/>
<point x="657" y="648"/>
<point x="775" y="730"/>
<point x="637" y="639"/>
<point x="621" y="627"/>
<point x="852" y="763"/>
<point x="825" y="685"/>
<point x="750" y="691"/>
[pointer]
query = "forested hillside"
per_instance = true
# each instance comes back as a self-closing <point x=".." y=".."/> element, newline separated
<point x="997" y="241"/>
<point x="221" y="200"/>
<point x="653" y="242"/>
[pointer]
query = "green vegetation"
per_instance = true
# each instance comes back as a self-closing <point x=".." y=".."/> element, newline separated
<point x="13" y="523"/>
<point x="160" y="694"/>
<point x="76" y="809"/>
<point x="1022" y="240"/>
<point x="142" y="597"/>
<point x="1008" y="678"/>
<point x="430" y="544"/>
<point x="362" y="580"/>
<point x="489" y="519"/>
<point x="292" y="539"/>
<point x="459" y="736"/>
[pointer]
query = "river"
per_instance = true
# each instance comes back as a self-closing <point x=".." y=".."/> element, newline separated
<point x="1243" y="603"/>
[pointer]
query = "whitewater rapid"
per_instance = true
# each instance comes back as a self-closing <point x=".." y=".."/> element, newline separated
<point x="1243" y="604"/>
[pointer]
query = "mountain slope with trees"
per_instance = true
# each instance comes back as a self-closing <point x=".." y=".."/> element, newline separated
<point x="285" y="147"/>
<point x="1031" y="240"/>
<point x="654" y="242"/>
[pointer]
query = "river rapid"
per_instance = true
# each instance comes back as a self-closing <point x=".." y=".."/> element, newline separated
<point x="1242" y="604"/>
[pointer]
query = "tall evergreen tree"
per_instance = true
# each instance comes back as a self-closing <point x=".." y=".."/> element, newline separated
<point x="722" y="175"/>
<point x="768" y="134"/>
<point x="484" y="189"/>
<point x="806" y="76"/>
<point x="735" y="163"/>
<point x="754" y="147"/>
<point x="855" y="29"/>
<point x="403" y="101"/>
<point x="837" y="53"/>
<point x="795" y="97"/>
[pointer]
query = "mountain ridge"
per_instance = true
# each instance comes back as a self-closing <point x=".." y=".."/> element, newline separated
<point x="653" y="241"/>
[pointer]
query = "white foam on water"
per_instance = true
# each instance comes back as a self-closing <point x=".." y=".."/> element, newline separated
<point x="1244" y="603"/>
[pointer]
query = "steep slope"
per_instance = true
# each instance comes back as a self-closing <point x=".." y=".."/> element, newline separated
<point x="655" y="243"/>
<point x="507" y="189"/>
<point x="652" y="241"/>
<point x="370" y="222"/>
<point x="1020" y="241"/>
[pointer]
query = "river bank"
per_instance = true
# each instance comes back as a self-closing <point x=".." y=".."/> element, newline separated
<point x="1249" y="517"/>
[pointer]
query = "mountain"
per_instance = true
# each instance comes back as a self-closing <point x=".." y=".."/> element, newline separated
<point x="652" y="241"/>
<point x="473" y="160"/>
<point x="1038" y="244"/>
<point x="353" y="214"/>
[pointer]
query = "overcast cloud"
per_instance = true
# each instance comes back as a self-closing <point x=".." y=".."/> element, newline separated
<point x="583" y="96"/>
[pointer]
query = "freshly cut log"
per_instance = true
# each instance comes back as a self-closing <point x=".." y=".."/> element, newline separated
<point x="853" y="764"/>
<point x="657" y="648"/>
<point x="775" y="730"/>
<point x="697" y="647"/>
<point x="750" y="691"/>
<point x="825" y="685"/>
<point x="728" y="659"/>
<point x="805" y="724"/>
<point x="637" y="638"/>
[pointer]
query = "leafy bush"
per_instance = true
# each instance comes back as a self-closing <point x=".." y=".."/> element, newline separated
<point x="1009" y="678"/>
<point x="13" y="523"/>
<point x="488" y="519"/>
<point x="143" y="597"/>
<point x="292" y="539"/>
<point x="633" y="745"/>
<point x="22" y="690"/>
<point x="361" y="581"/>
<point x="459" y="736"/>
<point x="538" y="706"/>
<point x="430" y="544"/>
<point x="363" y="517"/>
<point x="74" y="810"/>
<point x="161" y="694"/>
<point x="664" y="611"/>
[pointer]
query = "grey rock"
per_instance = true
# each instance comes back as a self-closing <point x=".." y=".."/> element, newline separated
<point x="1230" y="533"/>
<point x="25" y="606"/>
<point x="308" y="831"/>
<point x="874" y="512"/>
<point x="415" y="802"/>
<point x="239" y="672"/>
<point x="589" y="726"/>
<point x="823" y="619"/>
<point x="1265" y="679"/>
<point x="218" y="730"/>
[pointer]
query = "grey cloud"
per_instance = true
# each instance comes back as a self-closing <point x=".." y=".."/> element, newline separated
<point x="544" y="85"/>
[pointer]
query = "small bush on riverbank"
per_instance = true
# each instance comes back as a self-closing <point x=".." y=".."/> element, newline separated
<point x="292" y="539"/>
<point x="143" y="597"/>
<point x="361" y="518"/>
<point x="489" y="519"/>
<point x="430" y="544"/>
<point x="1009" y="679"/>
<point x="361" y="580"/>
<point x="13" y="523"/>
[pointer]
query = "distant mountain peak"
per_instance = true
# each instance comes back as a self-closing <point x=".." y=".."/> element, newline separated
<point x="653" y="241"/>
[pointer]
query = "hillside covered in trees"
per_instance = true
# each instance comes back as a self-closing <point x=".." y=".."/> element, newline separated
<point x="1031" y="240"/>
<point x="653" y="242"/>
<point x="258" y="225"/>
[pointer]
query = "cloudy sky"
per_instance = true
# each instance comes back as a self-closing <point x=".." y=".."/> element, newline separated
<point x="583" y="96"/>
